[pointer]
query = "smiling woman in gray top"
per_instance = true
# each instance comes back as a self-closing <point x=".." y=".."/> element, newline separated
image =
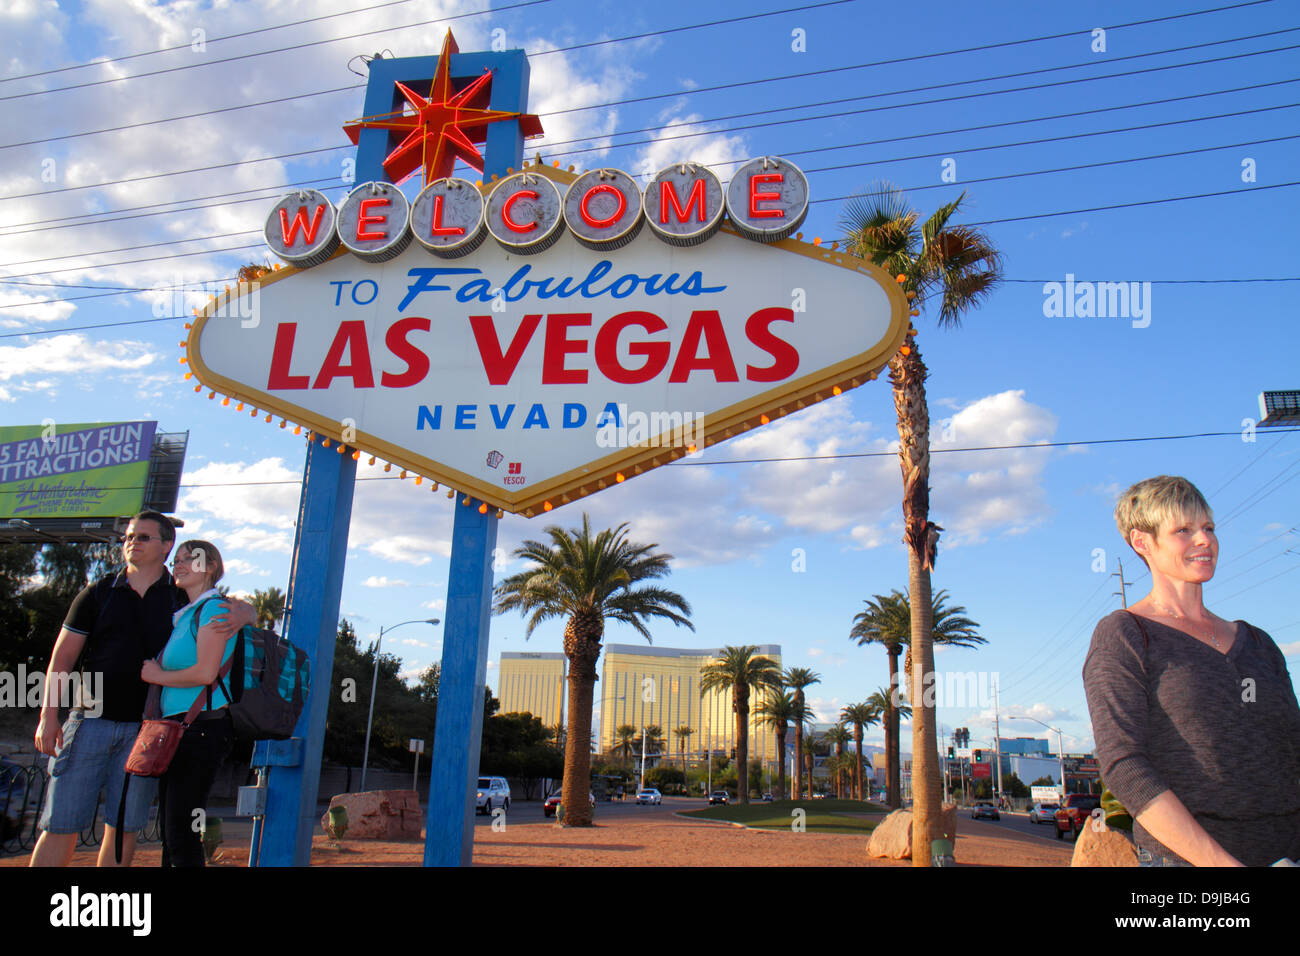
<point x="1195" y="718"/>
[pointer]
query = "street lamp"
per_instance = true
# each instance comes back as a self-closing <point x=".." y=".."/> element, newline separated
<point x="374" y="682"/>
<point x="1060" y="747"/>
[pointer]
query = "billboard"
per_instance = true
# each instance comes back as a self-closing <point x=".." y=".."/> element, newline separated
<point x="533" y="364"/>
<point x="94" y="470"/>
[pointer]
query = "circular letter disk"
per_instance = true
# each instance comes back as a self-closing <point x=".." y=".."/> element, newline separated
<point x="447" y="218"/>
<point x="603" y="208"/>
<point x="767" y="199"/>
<point x="302" y="228"/>
<point x="373" y="220"/>
<point x="523" y="213"/>
<point x="684" y="204"/>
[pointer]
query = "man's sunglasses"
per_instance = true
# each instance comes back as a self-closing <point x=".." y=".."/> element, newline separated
<point x="142" y="538"/>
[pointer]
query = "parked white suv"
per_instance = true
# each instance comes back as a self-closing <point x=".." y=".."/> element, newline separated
<point x="492" y="792"/>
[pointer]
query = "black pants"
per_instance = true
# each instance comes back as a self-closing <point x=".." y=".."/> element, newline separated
<point x="185" y="786"/>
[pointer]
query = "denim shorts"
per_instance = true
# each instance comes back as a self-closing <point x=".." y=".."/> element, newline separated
<point x="1147" y="858"/>
<point x="93" y="760"/>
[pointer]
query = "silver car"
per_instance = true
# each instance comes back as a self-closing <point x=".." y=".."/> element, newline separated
<point x="492" y="792"/>
<point x="1044" y="812"/>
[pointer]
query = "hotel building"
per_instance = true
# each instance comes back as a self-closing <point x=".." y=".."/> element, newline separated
<point x="646" y="686"/>
<point x="532" y="683"/>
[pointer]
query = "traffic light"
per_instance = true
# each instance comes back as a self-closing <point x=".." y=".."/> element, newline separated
<point x="950" y="753"/>
<point x="979" y="756"/>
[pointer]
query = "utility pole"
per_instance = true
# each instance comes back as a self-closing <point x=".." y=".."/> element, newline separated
<point x="997" y="737"/>
<point x="1123" y="590"/>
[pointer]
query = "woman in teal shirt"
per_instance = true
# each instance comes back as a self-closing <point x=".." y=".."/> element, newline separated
<point x="188" y="666"/>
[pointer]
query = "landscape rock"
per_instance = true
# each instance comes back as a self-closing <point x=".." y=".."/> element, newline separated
<point x="1104" y="846"/>
<point x="892" y="837"/>
<point x="379" y="815"/>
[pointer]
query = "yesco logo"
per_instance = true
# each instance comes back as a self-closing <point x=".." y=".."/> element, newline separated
<point x="77" y="909"/>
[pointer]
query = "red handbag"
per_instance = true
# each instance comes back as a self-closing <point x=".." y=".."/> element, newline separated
<point x="156" y="743"/>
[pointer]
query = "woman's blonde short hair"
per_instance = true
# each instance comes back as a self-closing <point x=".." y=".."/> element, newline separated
<point x="207" y="561"/>
<point x="1155" y="501"/>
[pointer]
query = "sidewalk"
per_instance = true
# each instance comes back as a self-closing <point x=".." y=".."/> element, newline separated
<point x="666" y="840"/>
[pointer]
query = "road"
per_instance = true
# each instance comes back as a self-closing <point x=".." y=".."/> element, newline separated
<point x="1019" y="822"/>
<point x="528" y="813"/>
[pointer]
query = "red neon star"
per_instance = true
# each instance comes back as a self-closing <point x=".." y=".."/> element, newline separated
<point x="445" y="127"/>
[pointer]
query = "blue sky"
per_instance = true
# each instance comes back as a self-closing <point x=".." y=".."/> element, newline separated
<point x="1022" y="526"/>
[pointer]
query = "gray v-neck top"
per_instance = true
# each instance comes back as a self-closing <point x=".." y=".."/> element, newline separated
<point x="1222" y="731"/>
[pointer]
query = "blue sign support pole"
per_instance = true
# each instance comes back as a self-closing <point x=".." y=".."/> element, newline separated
<point x="449" y="829"/>
<point x="283" y="837"/>
<point x="315" y="589"/>
<point x="316" y="582"/>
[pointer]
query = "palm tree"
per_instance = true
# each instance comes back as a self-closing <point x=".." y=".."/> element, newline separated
<point x="859" y="715"/>
<point x="838" y="736"/>
<point x="624" y="737"/>
<point x="886" y="699"/>
<point x="269" y="605"/>
<point x="683" y="735"/>
<point x="588" y="579"/>
<point x="797" y="678"/>
<point x="887" y="621"/>
<point x="654" y="740"/>
<point x="809" y="759"/>
<point x="960" y="266"/>
<point x="740" y="670"/>
<point x="779" y="709"/>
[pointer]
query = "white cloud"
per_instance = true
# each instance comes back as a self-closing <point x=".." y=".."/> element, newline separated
<point x="243" y="495"/>
<point x="412" y="642"/>
<point x="436" y="605"/>
<point x="1290" y="650"/>
<point x="35" y="307"/>
<point x="383" y="582"/>
<point x="238" y="566"/>
<point x="71" y="354"/>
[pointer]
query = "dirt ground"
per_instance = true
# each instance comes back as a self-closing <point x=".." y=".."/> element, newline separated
<point x="662" y="840"/>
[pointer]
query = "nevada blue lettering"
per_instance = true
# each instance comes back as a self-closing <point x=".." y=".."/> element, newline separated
<point x="502" y="422"/>
<point x="536" y="416"/>
<point x="575" y="415"/>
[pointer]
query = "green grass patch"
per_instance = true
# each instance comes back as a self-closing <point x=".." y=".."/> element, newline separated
<point x="821" y="816"/>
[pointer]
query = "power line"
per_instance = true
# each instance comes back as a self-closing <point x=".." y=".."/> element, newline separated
<point x="246" y="56"/>
<point x="101" y="216"/>
<point x="873" y="63"/>
<point x="1131" y="205"/>
<point x="809" y="171"/>
<point x="187" y="46"/>
<point x="575" y="152"/>
<point x="895" y="160"/>
<point x="410" y="26"/>
<point x="767" y="111"/>
<point x="935" y="451"/>
<point x="941" y="100"/>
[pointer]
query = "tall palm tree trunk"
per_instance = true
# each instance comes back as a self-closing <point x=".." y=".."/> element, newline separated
<point x="857" y="761"/>
<point x="798" y="749"/>
<point x="780" y="774"/>
<point x="582" y="646"/>
<point x="740" y="694"/>
<point x="907" y="374"/>
<point x="839" y="771"/>
<point x="892" y="734"/>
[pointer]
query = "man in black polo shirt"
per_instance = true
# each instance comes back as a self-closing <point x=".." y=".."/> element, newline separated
<point x="119" y="622"/>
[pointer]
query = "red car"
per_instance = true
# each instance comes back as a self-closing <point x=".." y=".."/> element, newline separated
<point x="1074" y="812"/>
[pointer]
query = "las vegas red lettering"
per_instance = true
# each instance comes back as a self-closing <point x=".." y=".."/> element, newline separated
<point x="704" y="350"/>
